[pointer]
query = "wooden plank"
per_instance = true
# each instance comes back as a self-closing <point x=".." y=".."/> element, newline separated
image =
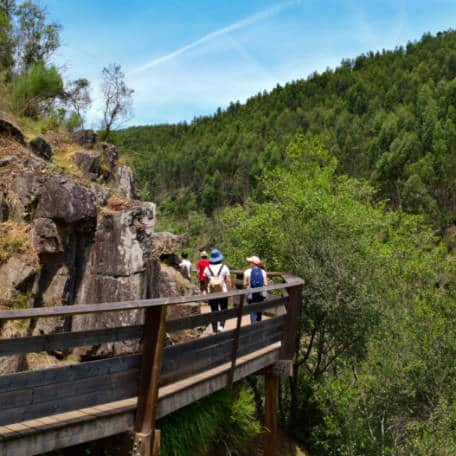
<point x="207" y="318"/>
<point x="59" y="311"/>
<point x="60" y="341"/>
<point x="72" y="373"/>
<point x="75" y="433"/>
<point x="178" y="365"/>
<point x="180" y="394"/>
<point x="121" y="389"/>
<point x="199" y="320"/>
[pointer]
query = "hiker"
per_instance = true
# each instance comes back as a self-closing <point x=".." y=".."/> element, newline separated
<point x="217" y="276"/>
<point x="255" y="277"/>
<point x="186" y="266"/>
<point x="202" y="264"/>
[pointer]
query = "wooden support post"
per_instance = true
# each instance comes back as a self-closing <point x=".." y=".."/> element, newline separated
<point x="145" y="439"/>
<point x="291" y="325"/>
<point x="236" y="340"/>
<point x="271" y="385"/>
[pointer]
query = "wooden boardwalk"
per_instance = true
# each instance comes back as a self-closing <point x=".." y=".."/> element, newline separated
<point x="54" y="408"/>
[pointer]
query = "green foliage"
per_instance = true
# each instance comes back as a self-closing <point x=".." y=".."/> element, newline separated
<point x="36" y="39"/>
<point x="7" y="43"/>
<point x="36" y="89"/>
<point x="377" y="333"/>
<point x="224" y="421"/>
<point x="73" y="121"/>
<point x="387" y="117"/>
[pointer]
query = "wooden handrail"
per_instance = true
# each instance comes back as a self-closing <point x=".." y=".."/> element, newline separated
<point x="46" y="392"/>
<point x="80" y="309"/>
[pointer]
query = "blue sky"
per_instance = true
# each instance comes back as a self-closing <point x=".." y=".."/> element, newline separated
<point x="185" y="58"/>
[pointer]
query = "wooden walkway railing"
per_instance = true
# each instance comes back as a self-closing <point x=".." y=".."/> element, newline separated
<point x="52" y="408"/>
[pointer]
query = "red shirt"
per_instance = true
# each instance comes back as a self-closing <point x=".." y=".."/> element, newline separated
<point x="202" y="265"/>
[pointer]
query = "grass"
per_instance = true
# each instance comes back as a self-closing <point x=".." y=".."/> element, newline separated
<point x="15" y="239"/>
<point x="222" y="423"/>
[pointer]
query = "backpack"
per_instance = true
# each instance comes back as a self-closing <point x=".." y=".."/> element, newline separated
<point x="256" y="281"/>
<point x="215" y="281"/>
<point x="256" y="278"/>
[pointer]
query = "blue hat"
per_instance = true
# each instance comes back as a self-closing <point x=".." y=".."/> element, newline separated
<point x="216" y="256"/>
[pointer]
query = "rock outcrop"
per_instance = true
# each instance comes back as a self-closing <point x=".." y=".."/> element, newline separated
<point x="8" y="128"/>
<point x="85" y="138"/>
<point x="75" y="242"/>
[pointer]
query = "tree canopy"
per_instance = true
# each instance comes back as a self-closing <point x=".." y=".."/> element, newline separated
<point x="389" y="117"/>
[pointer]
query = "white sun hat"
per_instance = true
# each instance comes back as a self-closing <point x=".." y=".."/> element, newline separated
<point x="254" y="259"/>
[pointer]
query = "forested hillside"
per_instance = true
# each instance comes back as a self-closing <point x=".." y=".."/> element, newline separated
<point x="346" y="179"/>
<point x="389" y="117"/>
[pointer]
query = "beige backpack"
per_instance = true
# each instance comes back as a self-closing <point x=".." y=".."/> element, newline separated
<point x="216" y="282"/>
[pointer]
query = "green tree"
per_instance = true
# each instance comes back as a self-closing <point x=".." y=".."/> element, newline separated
<point x="36" y="38"/>
<point x="7" y="43"/>
<point x="36" y="89"/>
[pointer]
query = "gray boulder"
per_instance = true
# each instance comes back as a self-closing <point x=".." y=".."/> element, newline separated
<point x="85" y="138"/>
<point x="67" y="200"/>
<point x="110" y="155"/>
<point x="165" y="244"/>
<point x="46" y="238"/>
<point x="89" y="163"/>
<point x="39" y="146"/>
<point x="8" y="129"/>
<point x="15" y="277"/>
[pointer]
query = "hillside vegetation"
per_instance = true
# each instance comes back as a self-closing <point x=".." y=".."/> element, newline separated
<point x="389" y="117"/>
<point x="347" y="180"/>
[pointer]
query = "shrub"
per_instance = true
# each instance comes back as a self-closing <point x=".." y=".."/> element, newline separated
<point x="36" y="90"/>
<point x="224" y="421"/>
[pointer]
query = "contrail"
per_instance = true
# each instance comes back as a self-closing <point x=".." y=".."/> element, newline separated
<point x="262" y="15"/>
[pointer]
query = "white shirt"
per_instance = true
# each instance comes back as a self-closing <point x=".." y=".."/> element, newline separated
<point x="215" y="268"/>
<point x="186" y="268"/>
<point x="248" y="272"/>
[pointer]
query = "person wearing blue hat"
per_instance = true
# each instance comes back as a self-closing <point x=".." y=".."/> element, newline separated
<point x="218" y="280"/>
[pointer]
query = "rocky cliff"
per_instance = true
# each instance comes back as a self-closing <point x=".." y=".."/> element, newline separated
<point x="71" y="231"/>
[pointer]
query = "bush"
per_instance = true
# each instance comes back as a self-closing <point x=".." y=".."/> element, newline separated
<point x="36" y="90"/>
<point x="225" y="422"/>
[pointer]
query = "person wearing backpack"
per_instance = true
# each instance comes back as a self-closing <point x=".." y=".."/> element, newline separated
<point x="218" y="279"/>
<point x="202" y="264"/>
<point x="255" y="277"/>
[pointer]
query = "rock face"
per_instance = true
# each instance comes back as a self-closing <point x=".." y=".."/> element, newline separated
<point x="120" y="267"/>
<point x="83" y="252"/>
<point x="76" y="243"/>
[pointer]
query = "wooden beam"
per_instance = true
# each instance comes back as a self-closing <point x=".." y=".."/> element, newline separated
<point x="80" y="309"/>
<point x="154" y="337"/>
<point x="291" y="325"/>
<point x="60" y="341"/>
<point x="207" y="318"/>
<point x="271" y="386"/>
<point x="236" y="340"/>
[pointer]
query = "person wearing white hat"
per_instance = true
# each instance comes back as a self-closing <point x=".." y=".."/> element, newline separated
<point x="255" y="277"/>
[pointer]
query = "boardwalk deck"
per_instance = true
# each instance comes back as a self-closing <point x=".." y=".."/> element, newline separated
<point x="41" y="411"/>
